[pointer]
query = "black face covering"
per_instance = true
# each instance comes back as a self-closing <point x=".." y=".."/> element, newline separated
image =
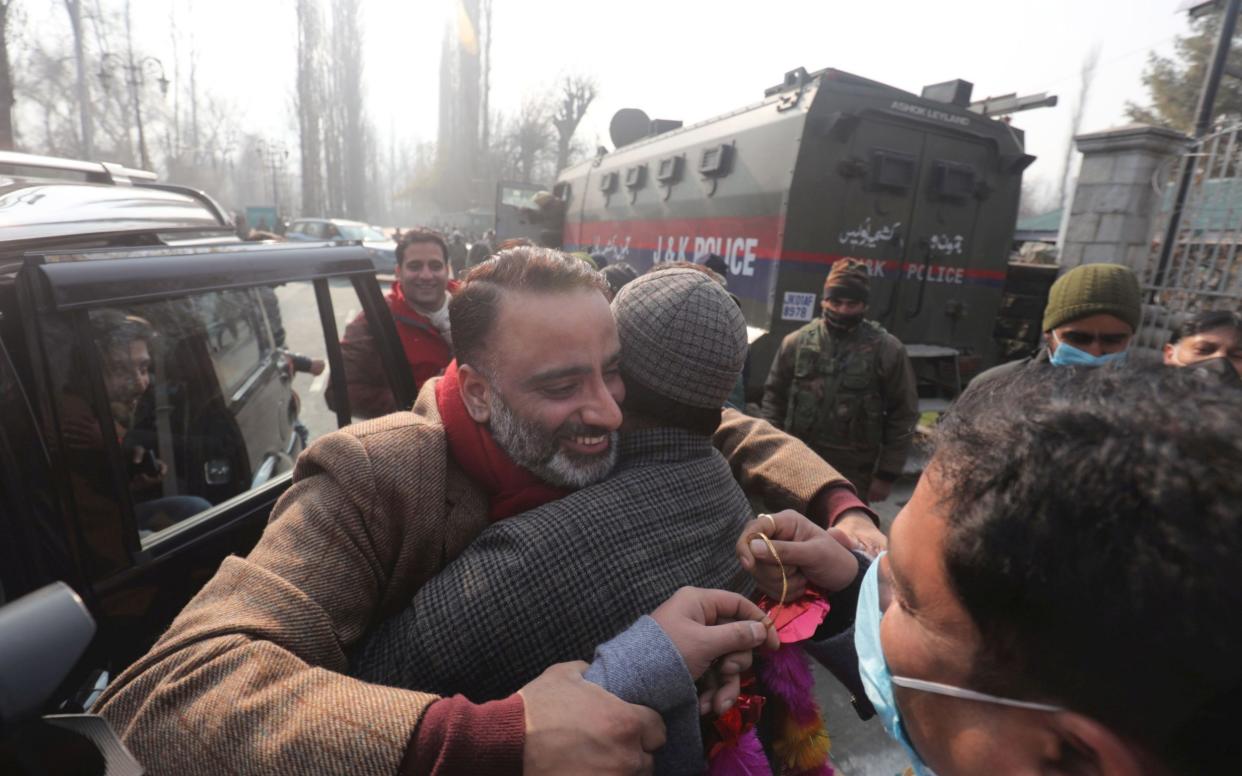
<point x="841" y="322"/>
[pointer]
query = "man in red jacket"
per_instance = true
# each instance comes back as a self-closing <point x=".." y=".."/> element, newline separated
<point x="418" y="302"/>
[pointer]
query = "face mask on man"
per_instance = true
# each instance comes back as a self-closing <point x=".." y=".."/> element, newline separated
<point x="1068" y="355"/>
<point x="838" y="321"/>
<point x="878" y="682"/>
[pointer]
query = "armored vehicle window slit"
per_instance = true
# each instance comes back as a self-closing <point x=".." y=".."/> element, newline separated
<point x="952" y="180"/>
<point x="891" y="170"/>
<point x="716" y="161"/>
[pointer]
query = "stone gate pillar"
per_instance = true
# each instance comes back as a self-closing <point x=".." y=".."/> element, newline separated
<point x="1115" y="205"/>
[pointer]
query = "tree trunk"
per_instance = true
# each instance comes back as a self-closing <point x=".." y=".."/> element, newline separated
<point x="6" y="80"/>
<point x="74" y="7"/>
<point x="485" y="138"/>
<point x="349" y="32"/>
<point x="310" y="128"/>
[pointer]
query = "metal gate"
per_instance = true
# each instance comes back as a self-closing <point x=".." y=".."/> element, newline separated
<point x="1203" y="269"/>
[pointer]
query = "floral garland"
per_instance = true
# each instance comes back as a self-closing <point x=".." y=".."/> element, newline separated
<point x="800" y="744"/>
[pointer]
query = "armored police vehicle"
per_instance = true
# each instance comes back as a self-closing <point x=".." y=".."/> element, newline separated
<point x="827" y="165"/>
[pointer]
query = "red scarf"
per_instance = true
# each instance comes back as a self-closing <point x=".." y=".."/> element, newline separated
<point x="511" y="489"/>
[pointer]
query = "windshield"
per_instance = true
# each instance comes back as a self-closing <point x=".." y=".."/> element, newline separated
<point x="518" y="197"/>
<point x="355" y="232"/>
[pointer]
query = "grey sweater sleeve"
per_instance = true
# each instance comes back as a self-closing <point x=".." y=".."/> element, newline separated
<point x="642" y="666"/>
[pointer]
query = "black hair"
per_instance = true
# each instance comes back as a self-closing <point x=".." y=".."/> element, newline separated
<point x="112" y="329"/>
<point x="1206" y="321"/>
<point x="617" y="274"/>
<point x="472" y="309"/>
<point x="420" y="235"/>
<point x="1099" y="555"/>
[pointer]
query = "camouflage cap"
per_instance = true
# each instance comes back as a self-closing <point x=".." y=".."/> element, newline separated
<point x="848" y="279"/>
<point x="682" y="336"/>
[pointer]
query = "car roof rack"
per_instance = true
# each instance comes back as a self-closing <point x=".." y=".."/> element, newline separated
<point x="34" y="166"/>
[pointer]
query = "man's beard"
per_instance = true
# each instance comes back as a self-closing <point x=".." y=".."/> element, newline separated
<point x="541" y="453"/>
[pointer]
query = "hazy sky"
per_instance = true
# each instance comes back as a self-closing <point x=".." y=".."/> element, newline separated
<point x="684" y="59"/>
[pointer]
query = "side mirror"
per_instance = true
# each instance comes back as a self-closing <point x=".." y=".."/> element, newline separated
<point x="42" y="637"/>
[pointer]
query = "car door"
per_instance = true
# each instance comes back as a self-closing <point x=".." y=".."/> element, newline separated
<point x="177" y="389"/>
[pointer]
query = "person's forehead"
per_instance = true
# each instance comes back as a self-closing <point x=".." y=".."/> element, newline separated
<point x="1222" y="335"/>
<point x="538" y="331"/>
<point x="423" y="251"/>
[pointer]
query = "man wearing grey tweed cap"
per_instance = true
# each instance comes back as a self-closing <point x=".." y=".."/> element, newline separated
<point x="683" y="344"/>
<point x="550" y="584"/>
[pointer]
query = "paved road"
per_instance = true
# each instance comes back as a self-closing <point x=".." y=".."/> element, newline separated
<point x="304" y="334"/>
<point x="859" y="748"/>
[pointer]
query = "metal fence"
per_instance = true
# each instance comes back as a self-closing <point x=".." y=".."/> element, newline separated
<point x="1204" y="267"/>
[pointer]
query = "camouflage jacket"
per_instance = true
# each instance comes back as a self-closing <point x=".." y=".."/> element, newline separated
<point x="851" y="397"/>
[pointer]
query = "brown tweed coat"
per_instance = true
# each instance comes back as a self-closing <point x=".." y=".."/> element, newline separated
<point x="250" y="676"/>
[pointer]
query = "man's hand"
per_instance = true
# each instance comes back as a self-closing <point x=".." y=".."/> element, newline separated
<point x="82" y="433"/>
<point x="808" y="553"/>
<point x="317" y="366"/>
<point x="716" y="630"/>
<point x="861" y="534"/>
<point x="573" y="726"/>
<point x="143" y="479"/>
<point x="879" y="490"/>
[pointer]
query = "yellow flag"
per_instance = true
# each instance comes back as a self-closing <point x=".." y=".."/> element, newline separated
<point x="465" y="30"/>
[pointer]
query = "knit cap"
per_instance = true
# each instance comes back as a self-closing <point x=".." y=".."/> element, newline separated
<point x="1092" y="289"/>
<point x="848" y="279"/>
<point x="683" y="337"/>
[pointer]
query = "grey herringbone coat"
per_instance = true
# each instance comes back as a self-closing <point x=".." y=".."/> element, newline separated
<point x="549" y="585"/>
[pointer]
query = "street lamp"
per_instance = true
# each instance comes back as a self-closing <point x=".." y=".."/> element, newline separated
<point x="137" y="73"/>
<point x="273" y="155"/>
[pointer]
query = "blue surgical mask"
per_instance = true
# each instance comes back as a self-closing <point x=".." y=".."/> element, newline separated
<point x="878" y="682"/>
<point x="1068" y="355"/>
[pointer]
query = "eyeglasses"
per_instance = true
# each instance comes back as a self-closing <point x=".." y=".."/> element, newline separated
<point x="1082" y="339"/>
<point x="970" y="695"/>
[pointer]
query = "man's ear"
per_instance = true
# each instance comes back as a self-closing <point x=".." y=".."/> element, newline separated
<point x="476" y="392"/>
<point x="1168" y="355"/>
<point x="1087" y="748"/>
<point x="1050" y="342"/>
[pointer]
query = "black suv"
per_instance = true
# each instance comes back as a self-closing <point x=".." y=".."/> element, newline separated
<point x="151" y="398"/>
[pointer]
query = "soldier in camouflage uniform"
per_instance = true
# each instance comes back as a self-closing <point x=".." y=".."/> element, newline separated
<point x="845" y="387"/>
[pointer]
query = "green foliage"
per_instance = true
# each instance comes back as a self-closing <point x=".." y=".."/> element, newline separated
<point x="1173" y="83"/>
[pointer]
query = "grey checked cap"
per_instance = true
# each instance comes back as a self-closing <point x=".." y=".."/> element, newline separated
<point x="682" y="336"/>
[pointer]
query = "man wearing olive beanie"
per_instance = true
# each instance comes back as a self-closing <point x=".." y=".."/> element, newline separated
<point x="1092" y="313"/>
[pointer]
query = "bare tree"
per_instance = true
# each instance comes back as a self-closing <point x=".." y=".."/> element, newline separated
<point x="74" y="9"/>
<point x="7" y="97"/>
<point x="1085" y="76"/>
<point x="486" y="11"/>
<point x="310" y="130"/>
<point x="575" y="94"/>
<point x="347" y="32"/>
<point x="531" y="138"/>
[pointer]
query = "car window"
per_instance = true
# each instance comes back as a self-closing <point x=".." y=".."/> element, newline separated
<point x="187" y="404"/>
<point x="361" y="232"/>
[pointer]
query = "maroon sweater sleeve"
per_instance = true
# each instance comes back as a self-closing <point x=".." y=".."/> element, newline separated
<point x="835" y="499"/>
<point x="456" y="736"/>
